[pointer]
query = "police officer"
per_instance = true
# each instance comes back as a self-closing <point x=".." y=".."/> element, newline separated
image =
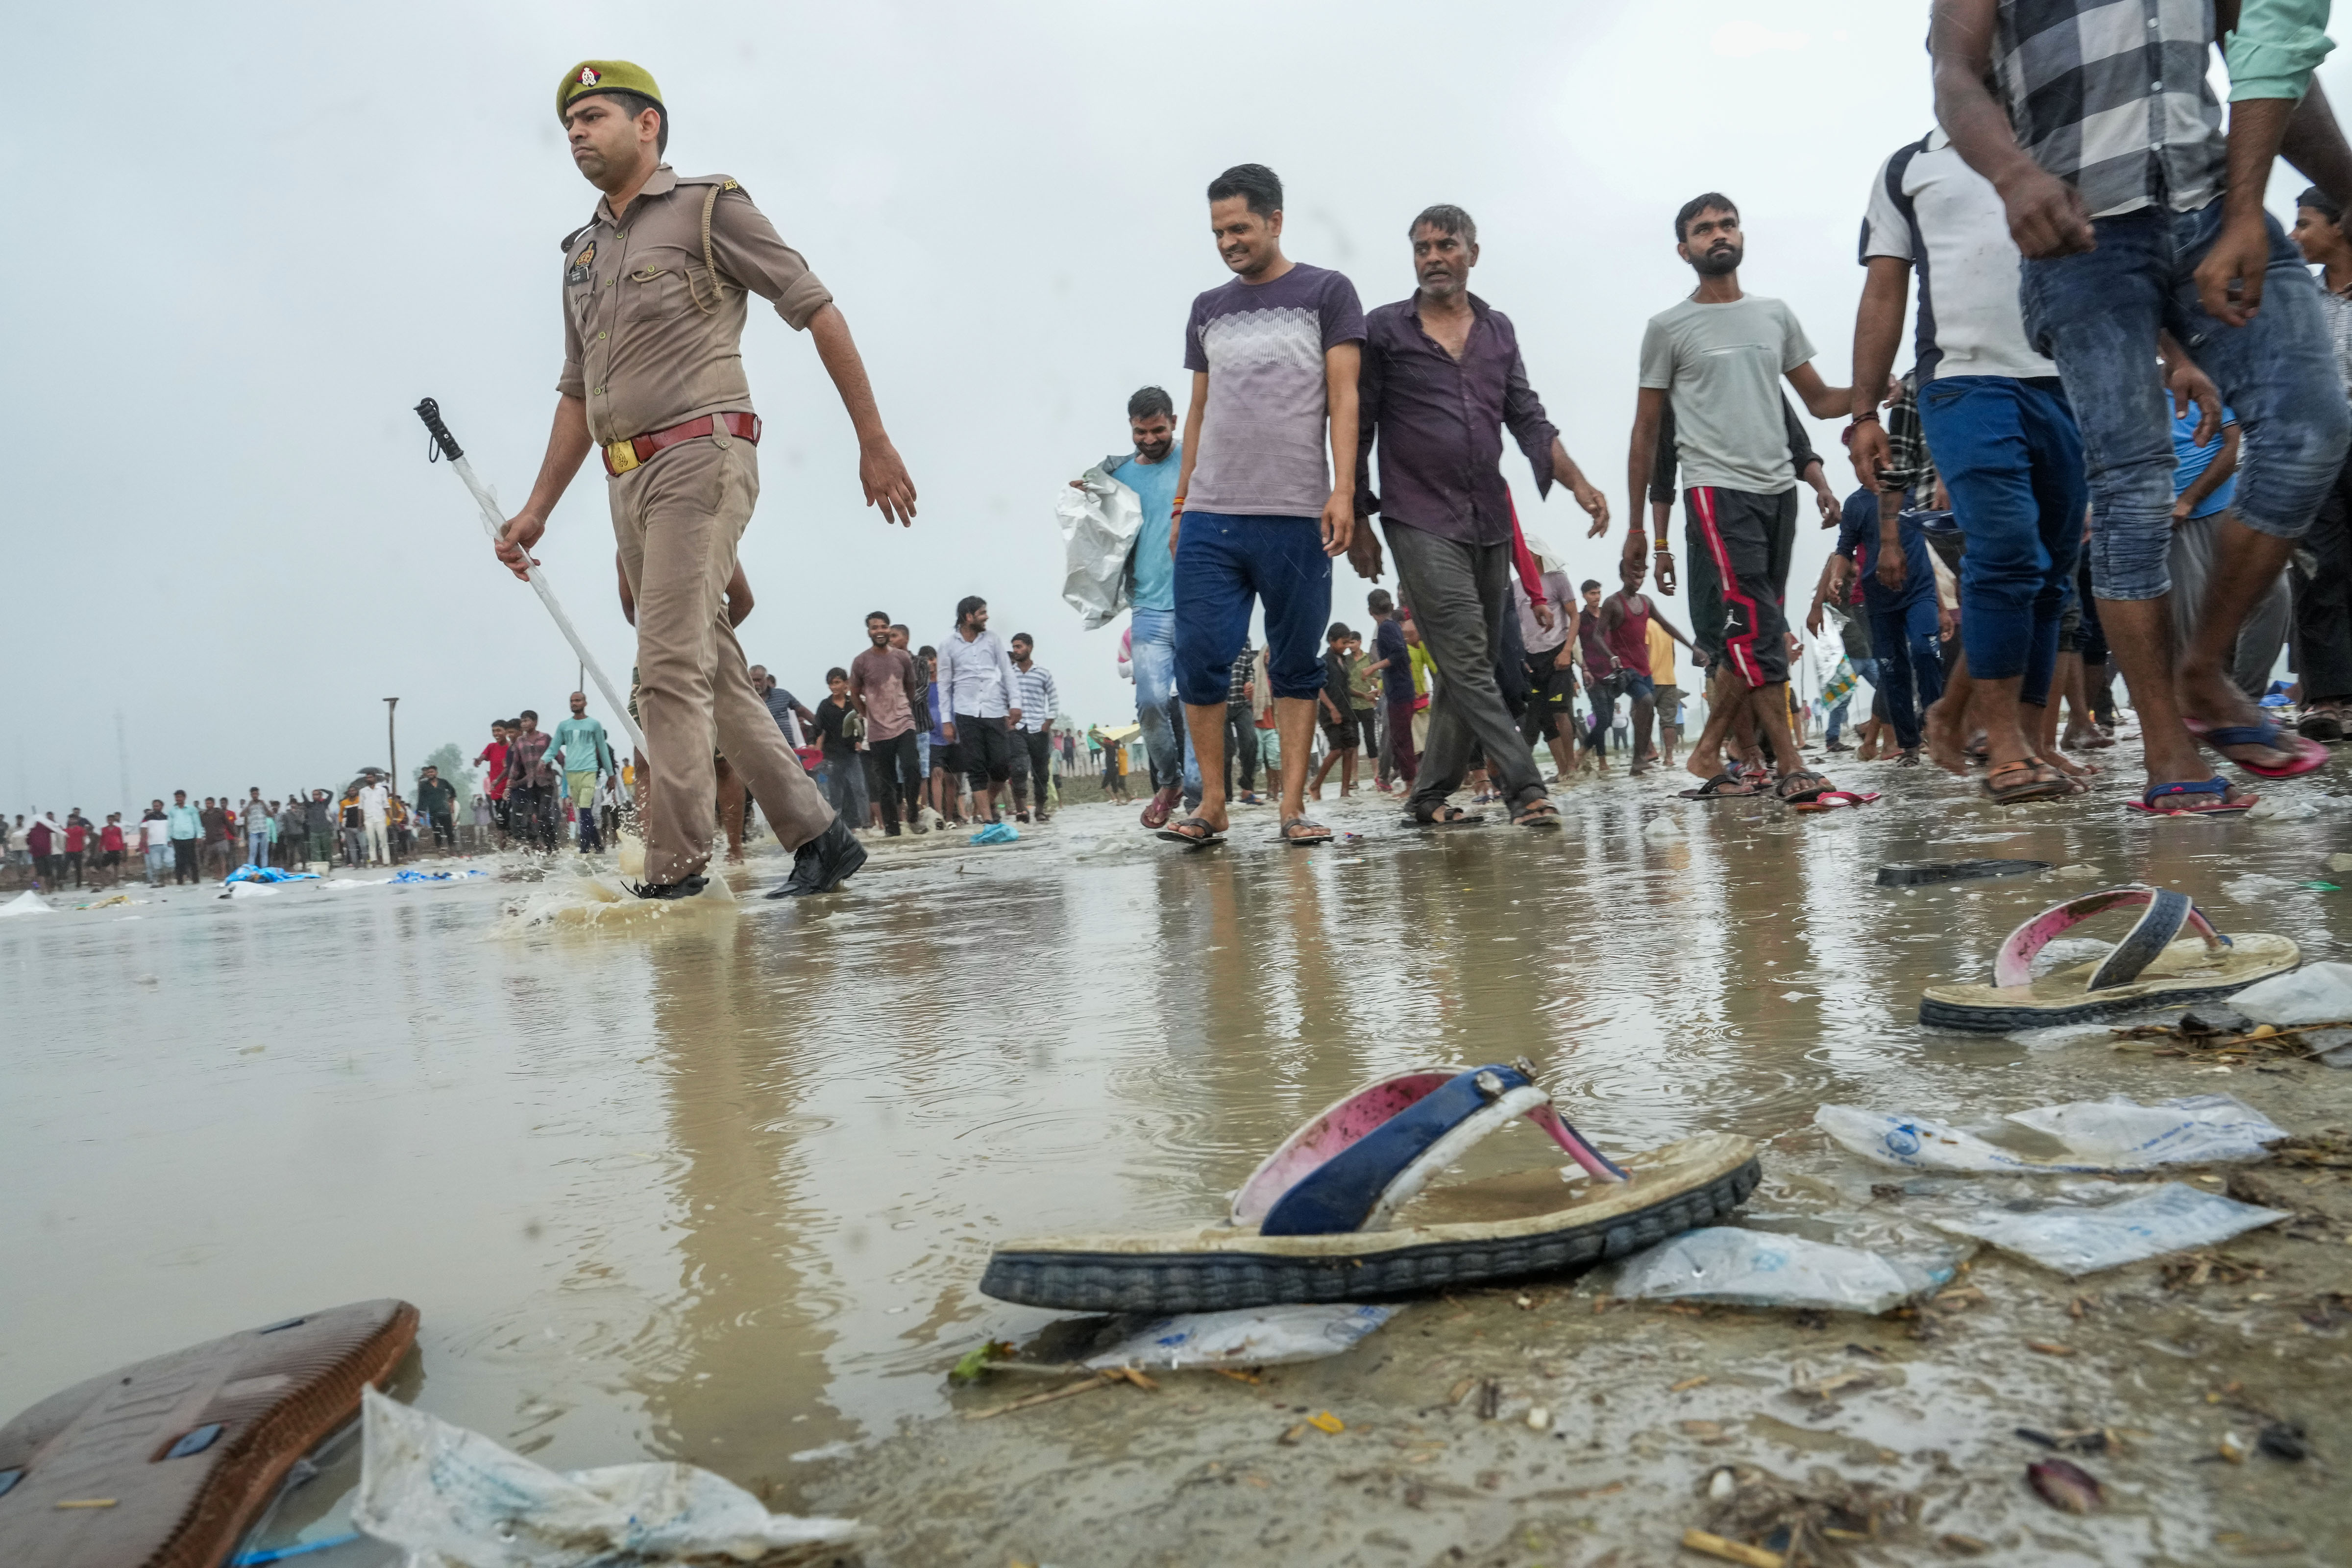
<point x="654" y="292"/>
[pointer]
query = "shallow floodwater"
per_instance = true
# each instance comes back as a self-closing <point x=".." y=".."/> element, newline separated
<point x="718" y="1185"/>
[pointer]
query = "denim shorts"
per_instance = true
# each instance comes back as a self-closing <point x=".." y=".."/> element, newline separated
<point x="2098" y="313"/>
<point x="1224" y="562"/>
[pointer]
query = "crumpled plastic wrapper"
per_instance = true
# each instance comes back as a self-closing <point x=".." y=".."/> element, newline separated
<point x="453" y="1499"/>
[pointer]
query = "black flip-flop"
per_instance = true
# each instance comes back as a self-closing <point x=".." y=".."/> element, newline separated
<point x="1175" y="832"/>
<point x="1446" y="817"/>
<point x="1805" y="793"/>
<point x="1722" y="787"/>
<point x="1321" y="835"/>
<point x="1537" y="813"/>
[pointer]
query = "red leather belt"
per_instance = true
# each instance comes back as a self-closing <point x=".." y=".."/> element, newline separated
<point x="620" y="457"/>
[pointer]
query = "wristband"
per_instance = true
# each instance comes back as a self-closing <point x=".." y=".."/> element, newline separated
<point x="1663" y="543"/>
<point x="1871" y="414"/>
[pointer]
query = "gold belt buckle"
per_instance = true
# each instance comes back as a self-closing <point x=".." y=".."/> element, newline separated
<point x="621" y="455"/>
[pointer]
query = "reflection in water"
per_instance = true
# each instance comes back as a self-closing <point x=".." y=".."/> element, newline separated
<point x="721" y="1191"/>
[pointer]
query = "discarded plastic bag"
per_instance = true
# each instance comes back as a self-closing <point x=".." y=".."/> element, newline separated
<point x="2117" y="1134"/>
<point x="1099" y="522"/>
<point x="2073" y="1239"/>
<point x="2316" y="994"/>
<point x="1263" y="1336"/>
<point x="242" y="890"/>
<point x="996" y="833"/>
<point x="1762" y="1269"/>
<point x="249" y="872"/>
<point x="455" y="1499"/>
<point x="27" y="904"/>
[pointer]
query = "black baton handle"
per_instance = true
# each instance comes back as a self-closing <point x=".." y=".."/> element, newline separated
<point x="430" y="411"/>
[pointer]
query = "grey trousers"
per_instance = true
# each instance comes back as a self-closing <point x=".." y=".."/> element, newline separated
<point x="2190" y="564"/>
<point x="1459" y="594"/>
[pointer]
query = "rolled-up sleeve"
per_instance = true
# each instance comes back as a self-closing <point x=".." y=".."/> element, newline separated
<point x="569" y="382"/>
<point x="1523" y="416"/>
<point x="749" y="249"/>
<point x="2277" y="46"/>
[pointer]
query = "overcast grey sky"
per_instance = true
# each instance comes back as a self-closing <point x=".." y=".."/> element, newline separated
<point x="266" y="240"/>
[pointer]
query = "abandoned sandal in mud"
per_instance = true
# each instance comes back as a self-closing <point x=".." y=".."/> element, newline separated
<point x="2155" y="965"/>
<point x="1338" y="1212"/>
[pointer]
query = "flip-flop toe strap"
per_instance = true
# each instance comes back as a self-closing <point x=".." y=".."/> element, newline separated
<point x="1336" y="1176"/>
<point x="2166" y="915"/>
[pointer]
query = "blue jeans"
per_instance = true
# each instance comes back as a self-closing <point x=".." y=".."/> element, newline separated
<point x="1903" y="641"/>
<point x="2011" y="455"/>
<point x="1224" y="562"/>
<point x="2097" y="314"/>
<point x="1152" y="653"/>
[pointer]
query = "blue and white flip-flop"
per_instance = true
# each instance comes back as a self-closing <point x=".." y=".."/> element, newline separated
<point x="1343" y="1210"/>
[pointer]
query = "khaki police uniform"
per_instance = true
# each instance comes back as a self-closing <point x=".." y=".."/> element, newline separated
<point x="654" y="305"/>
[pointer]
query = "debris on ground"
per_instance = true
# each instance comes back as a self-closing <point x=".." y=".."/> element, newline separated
<point x="1763" y="1517"/>
<point x="2094" y="1135"/>
<point x="1764" y="1268"/>
<point x="1255" y="1336"/>
<point x="2073" y="1240"/>
<point x="1922" y="873"/>
<point x="2062" y="1484"/>
<point x="447" y="1494"/>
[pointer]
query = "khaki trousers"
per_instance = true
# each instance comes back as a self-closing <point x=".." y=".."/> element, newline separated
<point x="678" y="520"/>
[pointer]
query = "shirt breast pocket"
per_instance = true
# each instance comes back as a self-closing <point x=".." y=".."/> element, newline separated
<point x="653" y="289"/>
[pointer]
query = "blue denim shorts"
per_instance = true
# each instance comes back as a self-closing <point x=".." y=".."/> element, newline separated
<point x="2097" y="314"/>
<point x="1224" y="562"/>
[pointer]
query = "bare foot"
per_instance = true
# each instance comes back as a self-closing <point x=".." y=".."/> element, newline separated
<point x="1944" y="746"/>
<point x="2067" y="765"/>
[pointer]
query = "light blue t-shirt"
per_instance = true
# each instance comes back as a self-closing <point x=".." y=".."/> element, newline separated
<point x="2190" y="459"/>
<point x="1155" y="485"/>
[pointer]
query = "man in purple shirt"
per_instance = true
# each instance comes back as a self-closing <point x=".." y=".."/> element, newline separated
<point x="1441" y="379"/>
<point x="1274" y="356"/>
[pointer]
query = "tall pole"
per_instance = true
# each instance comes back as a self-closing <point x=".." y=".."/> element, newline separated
<point x="122" y="760"/>
<point x="392" y="740"/>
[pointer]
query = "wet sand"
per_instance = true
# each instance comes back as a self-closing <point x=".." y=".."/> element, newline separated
<point x="718" y="1184"/>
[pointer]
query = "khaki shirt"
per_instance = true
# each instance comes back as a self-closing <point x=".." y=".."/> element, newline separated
<point x="646" y="343"/>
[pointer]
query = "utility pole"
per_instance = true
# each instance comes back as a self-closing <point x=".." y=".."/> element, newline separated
<point x="392" y="740"/>
<point x="122" y="760"/>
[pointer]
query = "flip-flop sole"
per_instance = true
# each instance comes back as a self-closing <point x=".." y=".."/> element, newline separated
<point x="1188" y="841"/>
<point x="2144" y="809"/>
<point x="2059" y="998"/>
<point x="1919" y="876"/>
<point x="1688" y="1184"/>
<point x="1464" y="821"/>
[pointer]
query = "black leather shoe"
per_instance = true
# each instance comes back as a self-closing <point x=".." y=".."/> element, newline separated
<point x="684" y="888"/>
<point x="823" y="863"/>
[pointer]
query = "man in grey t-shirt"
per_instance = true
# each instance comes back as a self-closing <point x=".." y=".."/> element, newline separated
<point x="1720" y="355"/>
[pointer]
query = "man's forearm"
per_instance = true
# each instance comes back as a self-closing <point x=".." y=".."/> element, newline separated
<point x="1641" y="454"/>
<point x="1877" y="330"/>
<point x="1343" y="440"/>
<point x="2257" y="125"/>
<point x="567" y="448"/>
<point x="838" y="350"/>
<point x="2314" y="143"/>
<point x="1960" y="38"/>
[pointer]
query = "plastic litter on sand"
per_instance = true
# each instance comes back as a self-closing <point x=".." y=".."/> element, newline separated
<point x="2073" y="1239"/>
<point x="1263" y="1336"/>
<point x="1762" y="1269"/>
<point x="454" y="1498"/>
<point x="996" y="833"/>
<point x="2114" y="1135"/>
<point x="2316" y="994"/>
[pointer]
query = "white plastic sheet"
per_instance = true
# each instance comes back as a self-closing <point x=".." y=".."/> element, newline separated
<point x="1099" y="522"/>
<point x="2073" y="1239"/>
<point x="28" y="902"/>
<point x="2316" y="994"/>
<point x="453" y="1499"/>
<point x="2117" y="1134"/>
<point x="1262" y="1336"/>
<point x="1763" y="1268"/>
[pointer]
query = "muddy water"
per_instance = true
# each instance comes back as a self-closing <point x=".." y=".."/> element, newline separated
<point x="718" y="1184"/>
